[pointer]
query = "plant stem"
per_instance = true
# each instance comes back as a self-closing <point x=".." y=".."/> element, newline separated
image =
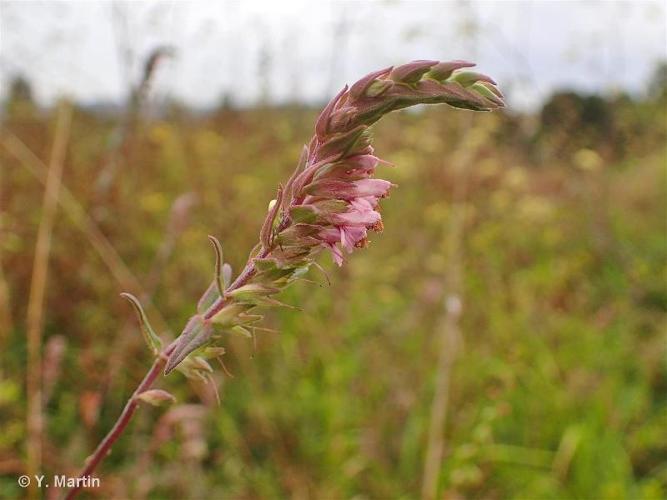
<point x="156" y="369"/>
<point x="117" y="430"/>
<point x="243" y="278"/>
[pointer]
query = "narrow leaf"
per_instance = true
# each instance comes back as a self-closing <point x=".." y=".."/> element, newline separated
<point x="153" y="342"/>
<point x="219" y="280"/>
<point x="196" y="333"/>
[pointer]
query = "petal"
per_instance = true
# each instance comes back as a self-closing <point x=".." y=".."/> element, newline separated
<point x="329" y="235"/>
<point x="351" y="235"/>
<point x="357" y="218"/>
<point x="372" y="187"/>
<point x="336" y="253"/>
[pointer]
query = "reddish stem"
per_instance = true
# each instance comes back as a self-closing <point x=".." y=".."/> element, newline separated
<point x="131" y="406"/>
<point x="117" y="430"/>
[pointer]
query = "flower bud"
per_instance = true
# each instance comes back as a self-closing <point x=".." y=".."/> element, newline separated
<point x="411" y="72"/>
<point x="362" y="86"/>
<point x="467" y="78"/>
<point x="156" y="397"/>
<point x="442" y="71"/>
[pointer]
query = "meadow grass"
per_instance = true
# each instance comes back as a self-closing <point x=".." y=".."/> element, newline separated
<point x="557" y="389"/>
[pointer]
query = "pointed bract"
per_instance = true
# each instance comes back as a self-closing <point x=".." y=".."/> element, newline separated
<point x="153" y="342"/>
<point x="197" y="333"/>
<point x="411" y="72"/>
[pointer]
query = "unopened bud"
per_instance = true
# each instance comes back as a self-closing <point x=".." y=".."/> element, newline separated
<point x="378" y="87"/>
<point x="156" y="397"/>
<point x="467" y="78"/>
<point x="444" y="70"/>
<point x="411" y="72"/>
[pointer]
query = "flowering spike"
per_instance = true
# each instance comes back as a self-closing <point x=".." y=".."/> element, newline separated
<point x="219" y="280"/>
<point x="331" y="201"/>
<point x="153" y="342"/>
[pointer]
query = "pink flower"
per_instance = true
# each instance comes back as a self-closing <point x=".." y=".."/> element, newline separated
<point x="350" y="228"/>
<point x="372" y="187"/>
<point x="353" y="168"/>
<point x="352" y="236"/>
<point x="336" y="253"/>
<point x="345" y="190"/>
<point x="349" y="237"/>
<point x="361" y="213"/>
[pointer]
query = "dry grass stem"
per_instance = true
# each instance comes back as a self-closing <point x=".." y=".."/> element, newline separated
<point x="35" y="314"/>
<point x="79" y="216"/>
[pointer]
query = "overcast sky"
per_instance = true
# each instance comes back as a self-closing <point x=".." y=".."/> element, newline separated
<point x="92" y="50"/>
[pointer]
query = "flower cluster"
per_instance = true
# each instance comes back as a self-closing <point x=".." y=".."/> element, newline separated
<point x="330" y="202"/>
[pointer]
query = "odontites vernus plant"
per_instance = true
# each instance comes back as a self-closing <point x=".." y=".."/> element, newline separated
<point x="329" y="203"/>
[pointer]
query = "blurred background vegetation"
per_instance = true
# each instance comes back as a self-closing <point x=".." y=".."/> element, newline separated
<point x="512" y="314"/>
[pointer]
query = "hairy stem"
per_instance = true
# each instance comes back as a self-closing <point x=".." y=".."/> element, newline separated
<point x="119" y="427"/>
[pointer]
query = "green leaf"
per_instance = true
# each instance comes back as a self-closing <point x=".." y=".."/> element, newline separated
<point x="487" y="93"/>
<point x="195" y="368"/>
<point x="252" y="291"/>
<point x="196" y="333"/>
<point x="153" y="342"/>
<point x="242" y="331"/>
<point x="228" y="315"/>
<point x="247" y="319"/>
<point x="303" y="213"/>
<point x="212" y="352"/>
